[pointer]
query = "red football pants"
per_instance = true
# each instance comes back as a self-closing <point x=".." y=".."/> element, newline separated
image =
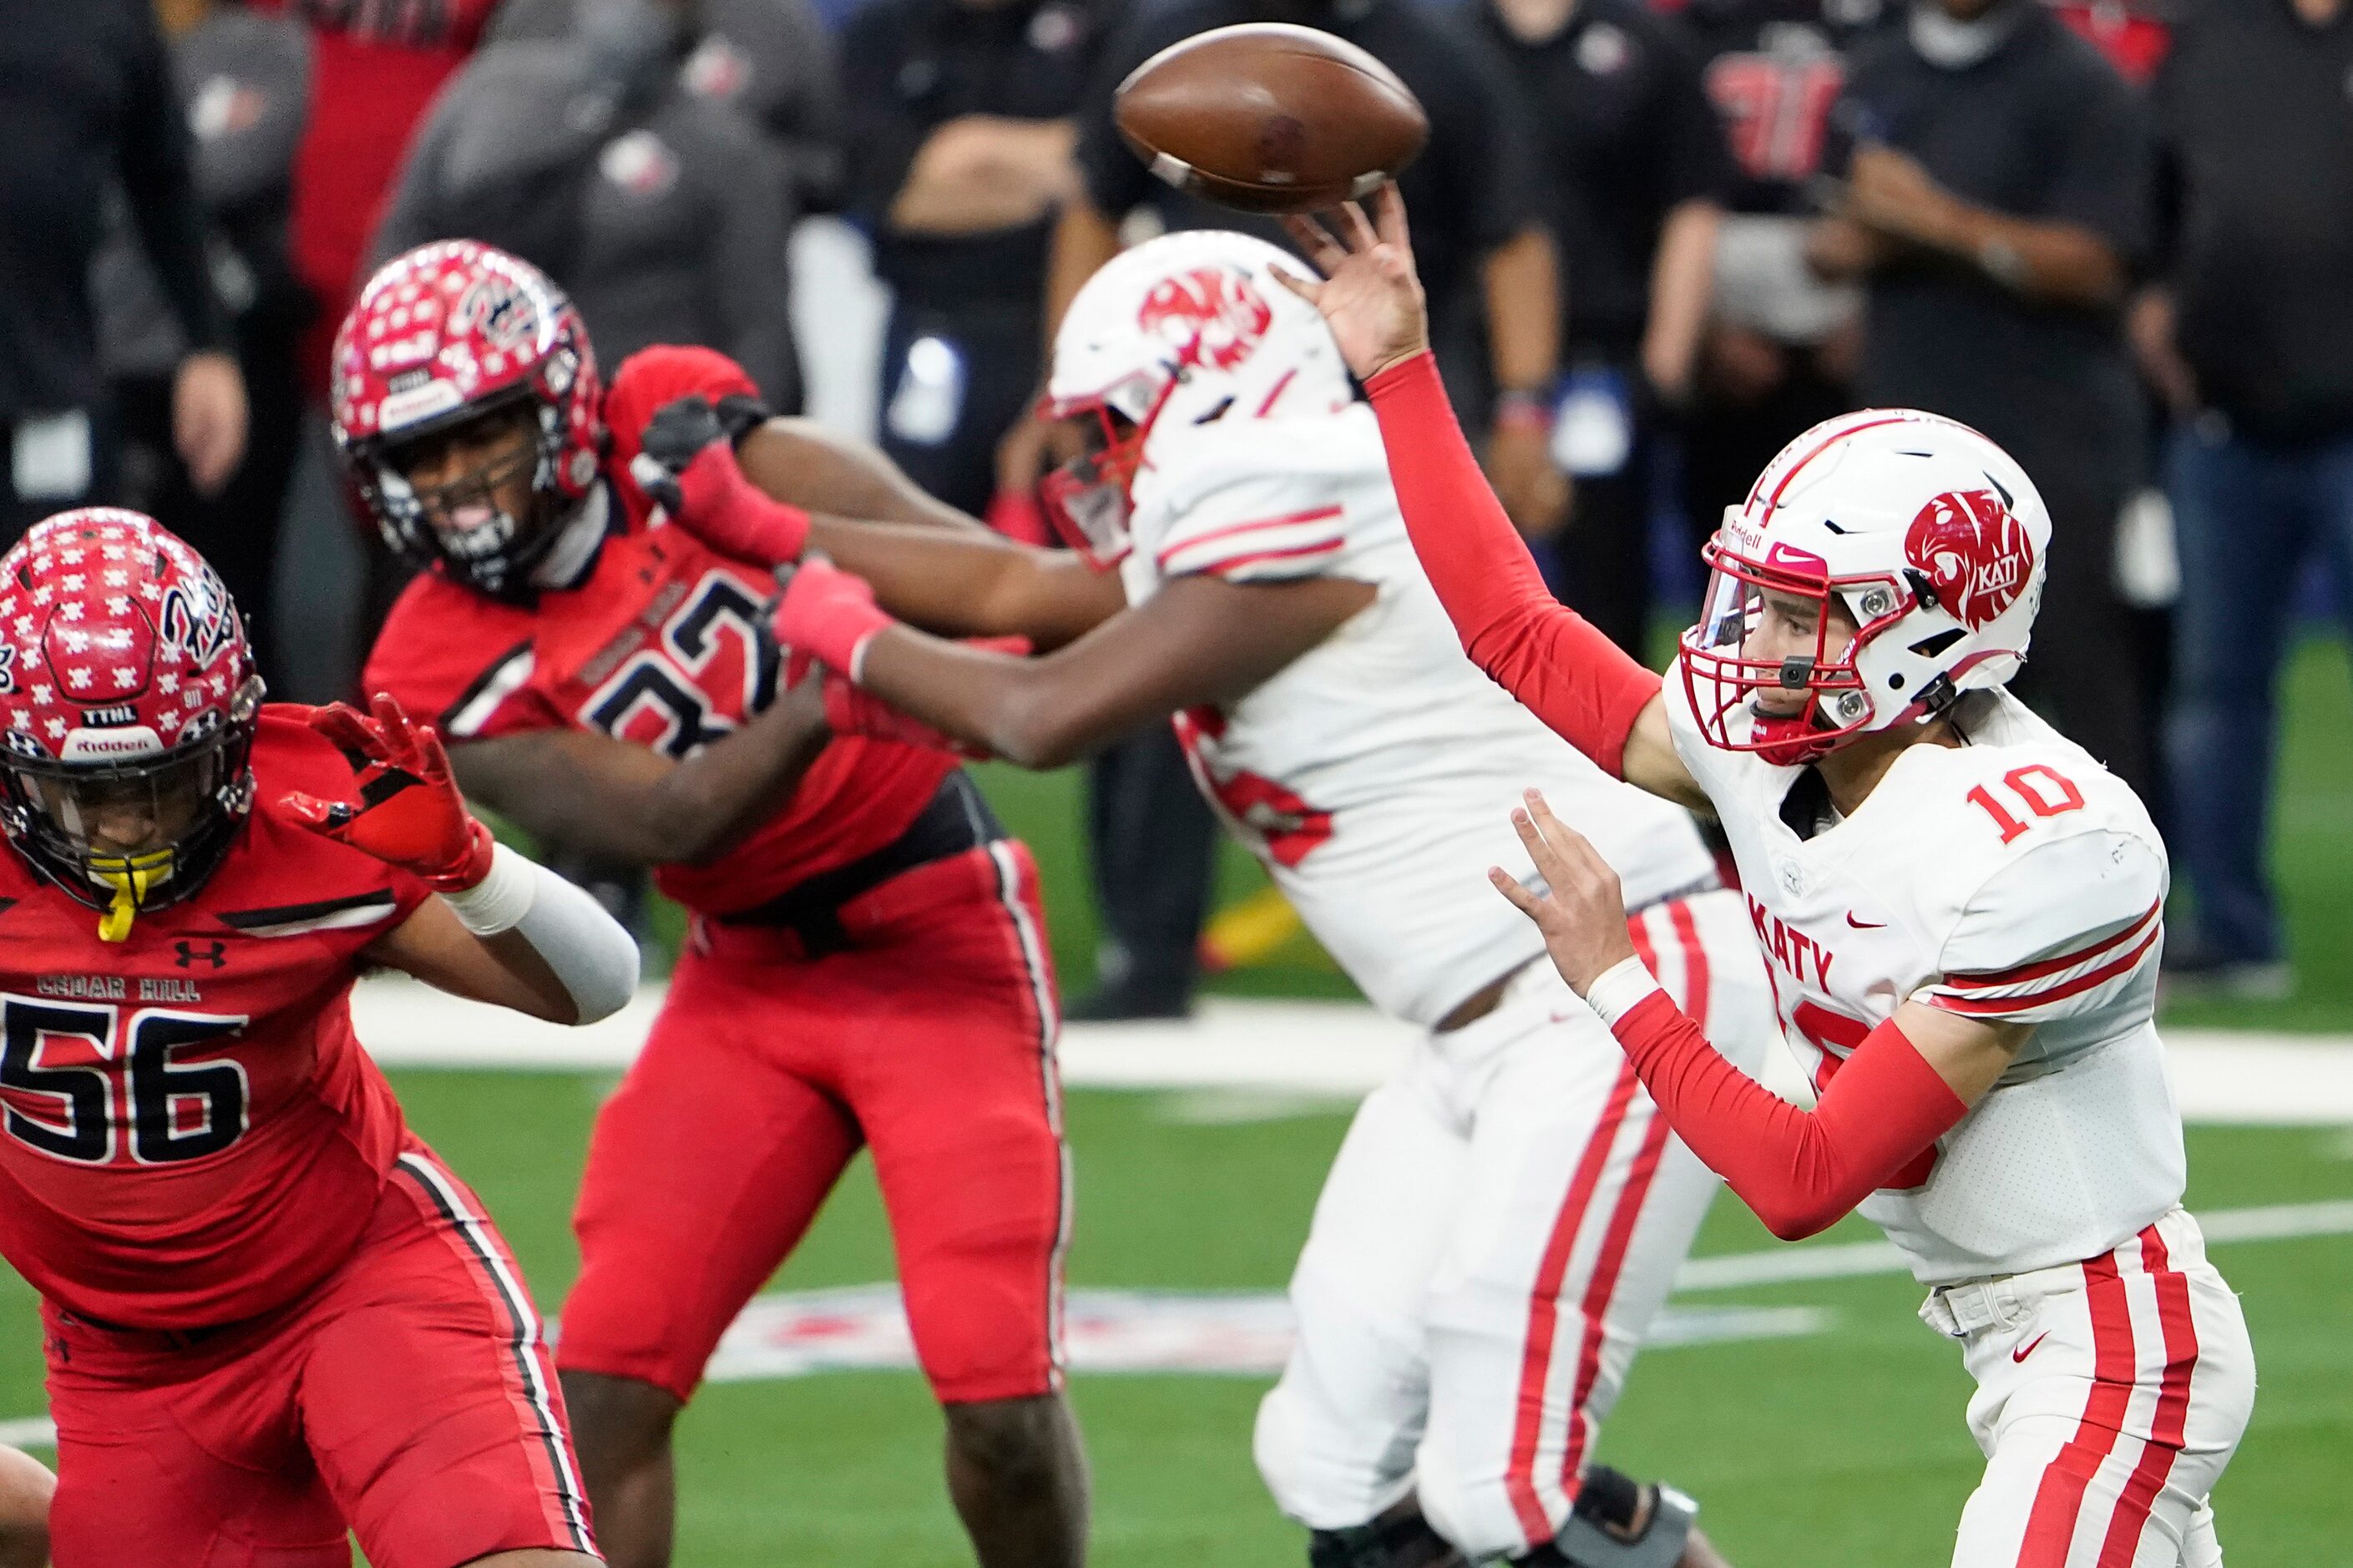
<point x="408" y="1396"/>
<point x="932" y="1043"/>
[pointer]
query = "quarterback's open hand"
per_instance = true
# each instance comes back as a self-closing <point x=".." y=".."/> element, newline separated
<point x="1371" y="295"/>
<point x="687" y="466"/>
<point x="1581" y="912"/>
<point x="409" y="812"/>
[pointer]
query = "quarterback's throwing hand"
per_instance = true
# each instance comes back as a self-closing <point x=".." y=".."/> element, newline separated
<point x="409" y="812"/>
<point x="1581" y="911"/>
<point x="688" y="467"/>
<point x="1371" y="295"/>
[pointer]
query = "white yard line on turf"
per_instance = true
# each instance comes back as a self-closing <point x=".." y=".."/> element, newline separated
<point x="1330" y="1049"/>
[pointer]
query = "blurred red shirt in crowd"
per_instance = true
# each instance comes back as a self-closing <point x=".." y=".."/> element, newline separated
<point x="375" y="66"/>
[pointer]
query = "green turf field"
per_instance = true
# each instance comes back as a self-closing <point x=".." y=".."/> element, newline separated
<point x="1845" y="1447"/>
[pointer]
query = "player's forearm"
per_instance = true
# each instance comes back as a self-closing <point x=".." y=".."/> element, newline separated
<point x="1013" y="709"/>
<point x="1539" y="649"/>
<point x="800" y="463"/>
<point x="1800" y="1172"/>
<point x="709" y="802"/>
<point x="972" y="582"/>
<point x="623" y="802"/>
<point x="551" y="938"/>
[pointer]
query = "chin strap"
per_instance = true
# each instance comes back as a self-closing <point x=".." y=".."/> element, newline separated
<point x="131" y="877"/>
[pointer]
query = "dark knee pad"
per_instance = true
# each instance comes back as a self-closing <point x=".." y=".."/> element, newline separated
<point x="1404" y="1541"/>
<point x="1608" y="1504"/>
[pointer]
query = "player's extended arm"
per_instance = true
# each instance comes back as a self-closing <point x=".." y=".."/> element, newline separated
<point x="1199" y="640"/>
<point x="1542" y="652"/>
<point x="1905" y="1087"/>
<point x="800" y="462"/>
<point x="615" y="798"/>
<point x="966" y="584"/>
<point x="945" y="574"/>
<point x="504" y="930"/>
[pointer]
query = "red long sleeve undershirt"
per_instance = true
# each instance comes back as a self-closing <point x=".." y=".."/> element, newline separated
<point x="1563" y="670"/>
<point x="1802" y="1171"/>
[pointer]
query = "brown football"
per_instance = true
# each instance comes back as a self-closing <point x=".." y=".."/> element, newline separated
<point x="1270" y="118"/>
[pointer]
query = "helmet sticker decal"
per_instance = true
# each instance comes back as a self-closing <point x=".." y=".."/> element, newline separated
<point x="1974" y="553"/>
<point x="1215" y="314"/>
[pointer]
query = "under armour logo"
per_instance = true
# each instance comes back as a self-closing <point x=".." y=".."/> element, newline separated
<point x="214" y="953"/>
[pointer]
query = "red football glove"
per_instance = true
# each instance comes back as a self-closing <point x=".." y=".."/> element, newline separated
<point x="828" y="614"/>
<point x="688" y="465"/>
<point x="408" y="813"/>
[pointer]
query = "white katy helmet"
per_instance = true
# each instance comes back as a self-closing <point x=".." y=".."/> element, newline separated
<point x="1931" y="536"/>
<point x="1180" y="331"/>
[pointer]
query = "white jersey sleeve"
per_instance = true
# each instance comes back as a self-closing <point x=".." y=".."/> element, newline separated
<point x="2055" y="932"/>
<point x="1257" y="505"/>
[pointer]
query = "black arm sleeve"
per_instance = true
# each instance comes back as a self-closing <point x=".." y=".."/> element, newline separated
<point x="162" y="187"/>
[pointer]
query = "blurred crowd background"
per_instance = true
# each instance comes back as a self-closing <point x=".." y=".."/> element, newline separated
<point x="1661" y="236"/>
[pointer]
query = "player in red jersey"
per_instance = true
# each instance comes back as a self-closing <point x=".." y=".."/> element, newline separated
<point x="866" y="962"/>
<point x="271" y="1314"/>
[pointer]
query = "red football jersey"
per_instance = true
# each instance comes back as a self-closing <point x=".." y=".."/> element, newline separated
<point x="189" y="1132"/>
<point x="661" y="644"/>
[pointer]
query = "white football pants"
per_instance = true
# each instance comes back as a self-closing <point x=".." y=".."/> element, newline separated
<point x="1503" y="1221"/>
<point x="2110" y="1395"/>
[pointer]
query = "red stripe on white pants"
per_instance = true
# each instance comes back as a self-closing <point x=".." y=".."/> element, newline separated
<point x="2169" y="1426"/>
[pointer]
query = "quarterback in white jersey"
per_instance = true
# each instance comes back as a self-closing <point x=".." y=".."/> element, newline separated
<point x="1508" y="1211"/>
<point x="1962" y="912"/>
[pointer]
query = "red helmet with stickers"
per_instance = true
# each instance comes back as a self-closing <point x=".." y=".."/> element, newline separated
<point x="443" y="335"/>
<point x="129" y="698"/>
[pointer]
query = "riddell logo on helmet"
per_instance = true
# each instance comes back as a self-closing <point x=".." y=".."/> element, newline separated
<point x="1973" y="552"/>
<point x="100" y="745"/>
<point x="1220" y="312"/>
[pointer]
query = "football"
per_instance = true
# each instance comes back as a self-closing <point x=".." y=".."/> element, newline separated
<point x="1270" y="118"/>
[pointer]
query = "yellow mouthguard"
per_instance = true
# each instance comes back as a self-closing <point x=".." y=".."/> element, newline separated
<point x="131" y="877"/>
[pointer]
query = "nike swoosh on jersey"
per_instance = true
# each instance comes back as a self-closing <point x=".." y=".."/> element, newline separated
<point x="1864" y="925"/>
<point x="2028" y="1348"/>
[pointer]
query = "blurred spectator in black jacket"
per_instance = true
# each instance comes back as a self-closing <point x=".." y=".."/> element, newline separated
<point x="87" y="99"/>
<point x="1998" y="200"/>
<point x="2252" y="339"/>
<point x="960" y="159"/>
<point x="770" y="60"/>
<point x="664" y="214"/>
<point x="243" y="80"/>
<point x="1779" y="351"/>
<point x="1632" y="168"/>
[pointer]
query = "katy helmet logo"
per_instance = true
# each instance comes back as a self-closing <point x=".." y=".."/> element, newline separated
<point x="1973" y="552"/>
<point x="1217" y="315"/>
<point x="499" y="311"/>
